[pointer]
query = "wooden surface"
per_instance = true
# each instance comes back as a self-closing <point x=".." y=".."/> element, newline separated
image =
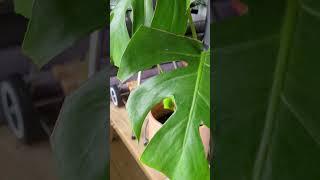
<point x="120" y="123"/>
<point x="122" y="165"/>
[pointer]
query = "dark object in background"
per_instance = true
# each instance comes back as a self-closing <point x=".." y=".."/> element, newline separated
<point x="209" y="20"/>
<point x="12" y="30"/>
<point x="115" y="95"/>
<point x="223" y="9"/>
<point x="199" y="17"/>
<point x="119" y="91"/>
<point x="42" y="93"/>
<point x="18" y="109"/>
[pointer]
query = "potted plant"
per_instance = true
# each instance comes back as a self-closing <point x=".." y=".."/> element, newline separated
<point x="159" y="37"/>
<point x="159" y="114"/>
<point x="245" y="57"/>
<point x="55" y="25"/>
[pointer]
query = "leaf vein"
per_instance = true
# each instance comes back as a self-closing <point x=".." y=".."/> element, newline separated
<point x="310" y="10"/>
<point x="299" y="117"/>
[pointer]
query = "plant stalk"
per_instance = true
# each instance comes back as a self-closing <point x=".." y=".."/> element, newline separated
<point x="192" y="26"/>
<point x="160" y="71"/>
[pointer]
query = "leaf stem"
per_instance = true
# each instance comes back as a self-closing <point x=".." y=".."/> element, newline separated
<point x="160" y="71"/>
<point x="192" y="26"/>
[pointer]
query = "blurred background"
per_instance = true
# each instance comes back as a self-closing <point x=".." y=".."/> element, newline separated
<point x="30" y="98"/>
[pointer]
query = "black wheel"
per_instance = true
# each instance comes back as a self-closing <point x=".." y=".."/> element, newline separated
<point x="18" y="109"/>
<point x="115" y="96"/>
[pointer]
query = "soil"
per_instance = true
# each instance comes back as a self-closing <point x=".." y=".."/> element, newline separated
<point x="162" y="119"/>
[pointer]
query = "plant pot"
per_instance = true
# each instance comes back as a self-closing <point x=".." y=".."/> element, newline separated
<point x="157" y="117"/>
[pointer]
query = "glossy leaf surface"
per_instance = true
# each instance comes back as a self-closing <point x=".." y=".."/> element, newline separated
<point x="56" y="25"/>
<point x="80" y="138"/>
<point x="250" y="63"/>
<point x="176" y="149"/>
<point x="169" y="15"/>
<point x="169" y="47"/>
<point x="119" y="35"/>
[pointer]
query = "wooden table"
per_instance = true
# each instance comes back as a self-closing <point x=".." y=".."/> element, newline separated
<point x="120" y="123"/>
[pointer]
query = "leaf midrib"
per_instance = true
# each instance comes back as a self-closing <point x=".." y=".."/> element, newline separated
<point x="199" y="77"/>
<point x="287" y="33"/>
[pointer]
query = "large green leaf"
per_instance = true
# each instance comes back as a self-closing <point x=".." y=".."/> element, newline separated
<point x="80" y="138"/>
<point x="118" y="31"/>
<point x="56" y="25"/>
<point x="169" y="47"/>
<point x="169" y="15"/>
<point x="266" y="93"/>
<point x="119" y="35"/>
<point x="176" y="149"/>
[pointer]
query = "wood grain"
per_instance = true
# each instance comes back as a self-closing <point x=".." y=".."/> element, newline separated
<point x="120" y="122"/>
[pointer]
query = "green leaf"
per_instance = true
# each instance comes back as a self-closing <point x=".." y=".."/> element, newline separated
<point x="119" y="36"/>
<point x="23" y="7"/>
<point x="171" y="16"/>
<point x="169" y="47"/>
<point x="80" y="138"/>
<point x="266" y="93"/>
<point x="168" y="103"/>
<point x="148" y="7"/>
<point x="176" y="149"/>
<point x="56" y="25"/>
<point x="118" y="31"/>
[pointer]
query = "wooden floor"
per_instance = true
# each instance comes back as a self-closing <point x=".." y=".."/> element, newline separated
<point x="122" y="165"/>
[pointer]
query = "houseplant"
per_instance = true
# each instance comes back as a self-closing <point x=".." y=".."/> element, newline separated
<point x="80" y="145"/>
<point x="170" y="150"/>
<point x="246" y="52"/>
<point x="159" y="114"/>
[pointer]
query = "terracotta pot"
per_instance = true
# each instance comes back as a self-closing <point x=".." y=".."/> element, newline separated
<point x="154" y="124"/>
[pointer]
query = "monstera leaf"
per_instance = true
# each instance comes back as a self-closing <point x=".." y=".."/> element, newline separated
<point x="176" y="149"/>
<point x="266" y="92"/>
<point x="169" y="15"/>
<point x="119" y="35"/>
<point x="80" y="139"/>
<point x="56" y="25"/>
